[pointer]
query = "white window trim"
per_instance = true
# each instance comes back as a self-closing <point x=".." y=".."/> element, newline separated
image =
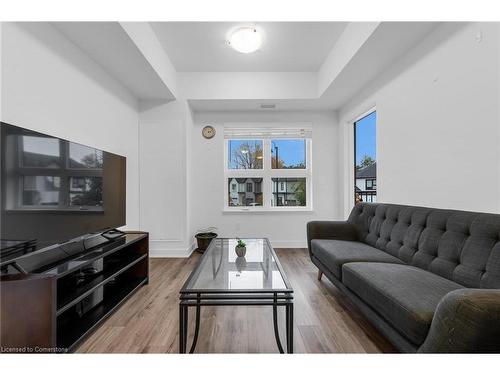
<point x="266" y="173"/>
<point x="350" y="157"/>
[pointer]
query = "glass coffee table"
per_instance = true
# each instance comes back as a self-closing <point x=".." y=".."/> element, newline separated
<point x="222" y="278"/>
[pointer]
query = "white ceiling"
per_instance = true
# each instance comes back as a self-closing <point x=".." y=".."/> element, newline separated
<point x="287" y="47"/>
<point x="109" y="46"/>
<point x="386" y="46"/>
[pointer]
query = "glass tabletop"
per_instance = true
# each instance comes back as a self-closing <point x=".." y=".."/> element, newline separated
<point x="221" y="270"/>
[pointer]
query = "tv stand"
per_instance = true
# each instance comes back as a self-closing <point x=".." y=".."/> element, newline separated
<point x="54" y="308"/>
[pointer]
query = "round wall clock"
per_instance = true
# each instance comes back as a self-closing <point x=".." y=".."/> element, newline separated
<point x="208" y="132"/>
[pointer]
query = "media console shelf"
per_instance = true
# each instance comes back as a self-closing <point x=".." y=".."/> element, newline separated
<point x="55" y="307"/>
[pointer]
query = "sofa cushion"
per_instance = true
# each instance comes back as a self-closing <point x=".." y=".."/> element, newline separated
<point x="335" y="253"/>
<point x="461" y="246"/>
<point x="392" y="228"/>
<point x="405" y="296"/>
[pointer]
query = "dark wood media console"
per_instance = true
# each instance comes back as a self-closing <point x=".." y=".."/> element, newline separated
<point x="54" y="308"/>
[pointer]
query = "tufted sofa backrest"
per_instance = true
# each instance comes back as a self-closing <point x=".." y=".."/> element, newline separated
<point x="458" y="245"/>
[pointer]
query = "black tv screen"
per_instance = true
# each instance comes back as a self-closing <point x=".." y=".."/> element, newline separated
<point x="53" y="190"/>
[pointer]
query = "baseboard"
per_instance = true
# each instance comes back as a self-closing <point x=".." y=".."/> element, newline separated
<point x="169" y="249"/>
<point x="289" y="244"/>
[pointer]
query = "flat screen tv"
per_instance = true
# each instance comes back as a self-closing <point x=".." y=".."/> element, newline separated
<point x="54" y="190"/>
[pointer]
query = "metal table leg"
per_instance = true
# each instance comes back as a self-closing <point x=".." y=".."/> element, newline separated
<point x="275" y="322"/>
<point x="224" y="300"/>
<point x="197" y="327"/>
<point x="183" y="324"/>
<point x="289" y="328"/>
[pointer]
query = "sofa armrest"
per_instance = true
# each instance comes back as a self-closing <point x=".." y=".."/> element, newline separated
<point x="465" y="321"/>
<point x="330" y="230"/>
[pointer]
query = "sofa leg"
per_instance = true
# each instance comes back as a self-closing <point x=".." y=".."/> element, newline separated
<point x="320" y="274"/>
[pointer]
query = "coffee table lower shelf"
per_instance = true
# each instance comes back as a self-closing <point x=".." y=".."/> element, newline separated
<point x="261" y="298"/>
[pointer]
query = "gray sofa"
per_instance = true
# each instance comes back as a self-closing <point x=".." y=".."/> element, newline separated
<point x="428" y="279"/>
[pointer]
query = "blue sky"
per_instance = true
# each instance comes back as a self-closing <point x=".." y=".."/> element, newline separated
<point x="366" y="137"/>
<point x="291" y="151"/>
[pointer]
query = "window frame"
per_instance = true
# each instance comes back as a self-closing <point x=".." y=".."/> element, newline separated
<point x="64" y="172"/>
<point x="267" y="173"/>
<point x="353" y="142"/>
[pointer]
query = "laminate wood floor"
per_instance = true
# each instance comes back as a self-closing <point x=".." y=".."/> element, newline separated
<point x="324" y="320"/>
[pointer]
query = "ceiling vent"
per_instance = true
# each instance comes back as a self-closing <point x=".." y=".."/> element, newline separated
<point x="268" y="106"/>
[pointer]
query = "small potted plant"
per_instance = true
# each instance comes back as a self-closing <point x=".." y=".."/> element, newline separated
<point x="241" y="248"/>
<point x="204" y="237"/>
<point x="241" y="264"/>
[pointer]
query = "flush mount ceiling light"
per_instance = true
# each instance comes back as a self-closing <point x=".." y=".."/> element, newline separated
<point x="245" y="39"/>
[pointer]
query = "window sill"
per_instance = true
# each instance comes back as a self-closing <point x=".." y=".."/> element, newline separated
<point x="267" y="210"/>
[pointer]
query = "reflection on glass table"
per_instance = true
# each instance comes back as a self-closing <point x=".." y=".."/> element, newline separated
<point x="222" y="278"/>
<point x="222" y="269"/>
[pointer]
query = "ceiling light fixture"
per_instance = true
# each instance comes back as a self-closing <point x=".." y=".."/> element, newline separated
<point x="245" y="40"/>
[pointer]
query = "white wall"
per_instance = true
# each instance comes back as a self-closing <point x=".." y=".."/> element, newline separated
<point x="284" y="229"/>
<point x="164" y="177"/>
<point x="437" y="122"/>
<point x="248" y="85"/>
<point x="351" y="40"/>
<point x="147" y="42"/>
<point x="51" y="86"/>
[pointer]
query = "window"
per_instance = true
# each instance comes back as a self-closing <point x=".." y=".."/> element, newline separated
<point x="365" y="158"/>
<point x="267" y="169"/>
<point x="57" y="175"/>
<point x="83" y="157"/>
<point x="85" y="191"/>
<point x="288" y="154"/>
<point x="371" y="184"/>
<point x="245" y="192"/>
<point x="40" y="191"/>
<point x="40" y="152"/>
<point x="292" y="192"/>
<point x="245" y="154"/>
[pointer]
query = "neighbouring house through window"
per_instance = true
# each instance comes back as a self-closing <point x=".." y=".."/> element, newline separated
<point x="371" y="184"/>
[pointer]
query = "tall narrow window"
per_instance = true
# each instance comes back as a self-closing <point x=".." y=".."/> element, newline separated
<point x="365" y="158"/>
